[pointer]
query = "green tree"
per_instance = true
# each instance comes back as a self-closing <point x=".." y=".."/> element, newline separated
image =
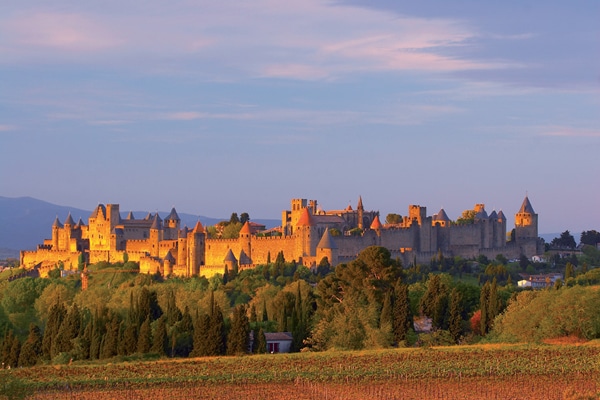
<point x="566" y="240"/>
<point x="591" y="237"/>
<point x="237" y="341"/>
<point x="69" y="330"/>
<point x="484" y="307"/>
<point x="455" y="320"/>
<point x="403" y="320"/>
<point x="216" y="333"/>
<point x="393" y="218"/>
<point x="160" y="341"/>
<point x="31" y="350"/>
<point x="173" y="313"/>
<point x="467" y="217"/>
<point x="244" y="217"/>
<point x="145" y="338"/>
<point x="57" y="314"/>
<point x="110" y="341"/>
<point x="261" y="342"/>
<point x="129" y="343"/>
<point x="200" y="338"/>
<point x="569" y="271"/>
<point x="234" y="219"/>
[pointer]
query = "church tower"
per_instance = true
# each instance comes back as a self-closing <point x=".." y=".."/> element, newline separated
<point x="360" y="213"/>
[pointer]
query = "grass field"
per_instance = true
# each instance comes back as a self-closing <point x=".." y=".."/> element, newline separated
<point x="470" y="372"/>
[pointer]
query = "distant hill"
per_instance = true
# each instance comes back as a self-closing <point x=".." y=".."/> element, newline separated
<point x="25" y="222"/>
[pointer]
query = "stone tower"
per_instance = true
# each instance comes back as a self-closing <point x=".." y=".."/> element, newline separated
<point x="171" y="225"/>
<point x="156" y="231"/>
<point x="306" y="231"/>
<point x="245" y="238"/>
<point x="327" y="248"/>
<point x="196" y="247"/>
<point x="526" y="222"/>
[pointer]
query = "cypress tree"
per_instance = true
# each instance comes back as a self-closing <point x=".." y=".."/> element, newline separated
<point x="145" y="338"/>
<point x="110" y="341"/>
<point x="483" y="305"/>
<point x="130" y="339"/>
<point x="402" y="317"/>
<point x="261" y="342"/>
<point x="6" y="348"/>
<point x="216" y="333"/>
<point x="386" y="315"/>
<point x="15" y="349"/>
<point x="55" y="318"/>
<point x="69" y="330"/>
<point x="86" y="340"/>
<point x="253" y="316"/>
<point x="237" y="341"/>
<point x="160" y="340"/>
<point x="32" y="348"/>
<point x="455" y="323"/>
<point x="185" y="334"/>
<point x="173" y="313"/>
<point x="493" y="308"/>
<point x="265" y="315"/>
<point x="143" y="308"/>
<point x="200" y="336"/>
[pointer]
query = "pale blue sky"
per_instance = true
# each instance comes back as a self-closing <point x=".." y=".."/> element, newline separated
<point x="216" y="107"/>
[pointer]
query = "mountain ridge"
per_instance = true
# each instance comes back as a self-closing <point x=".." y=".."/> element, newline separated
<point x="26" y="221"/>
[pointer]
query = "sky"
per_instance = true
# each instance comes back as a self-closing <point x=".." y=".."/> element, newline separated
<point x="240" y="106"/>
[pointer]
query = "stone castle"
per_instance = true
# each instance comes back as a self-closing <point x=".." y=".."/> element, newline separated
<point x="306" y="235"/>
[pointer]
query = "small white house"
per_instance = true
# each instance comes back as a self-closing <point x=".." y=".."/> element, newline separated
<point x="278" y="342"/>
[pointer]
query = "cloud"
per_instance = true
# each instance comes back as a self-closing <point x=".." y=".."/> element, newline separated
<point x="569" y="131"/>
<point x="308" y="40"/>
<point x="7" y="128"/>
<point x="61" y="31"/>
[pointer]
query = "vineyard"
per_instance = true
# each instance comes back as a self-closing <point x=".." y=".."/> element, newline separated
<point x="470" y="372"/>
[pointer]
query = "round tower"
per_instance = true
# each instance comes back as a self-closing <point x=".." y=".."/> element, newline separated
<point x="196" y="249"/>
<point x="306" y="232"/>
<point x="245" y="239"/>
<point x="56" y="227"/>
<point x="155" y="236"/>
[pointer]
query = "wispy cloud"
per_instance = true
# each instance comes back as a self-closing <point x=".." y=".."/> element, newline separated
<point x="7" y="128"/>
<point x="569" y="131"/>
<point x="308" y="40"/>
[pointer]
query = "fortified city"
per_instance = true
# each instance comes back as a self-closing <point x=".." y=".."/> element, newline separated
<point x="307" y="235"/>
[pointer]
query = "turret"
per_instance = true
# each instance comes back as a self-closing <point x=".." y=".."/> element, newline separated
<point x="56" y="227"/>
<point x="526" y="222"/>
<point x="196" y="249"/>
<point x="182" y="250"/>
<point x="231" y="263"/>
<point x="307" y="231"/>
<point x="246" y="243"/>
<point x="327" y="248"/>
<point x="376" y="225"/>
<point x="172" y="225"/>
<point x="156" y="231"/>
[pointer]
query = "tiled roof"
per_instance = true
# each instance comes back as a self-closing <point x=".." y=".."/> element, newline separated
<point x="305" y="218"/>
<point x="376" y="224"/>
<point x="278" y="336"/>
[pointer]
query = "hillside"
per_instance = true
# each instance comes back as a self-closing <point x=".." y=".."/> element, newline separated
<point x="25" y="222"/>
